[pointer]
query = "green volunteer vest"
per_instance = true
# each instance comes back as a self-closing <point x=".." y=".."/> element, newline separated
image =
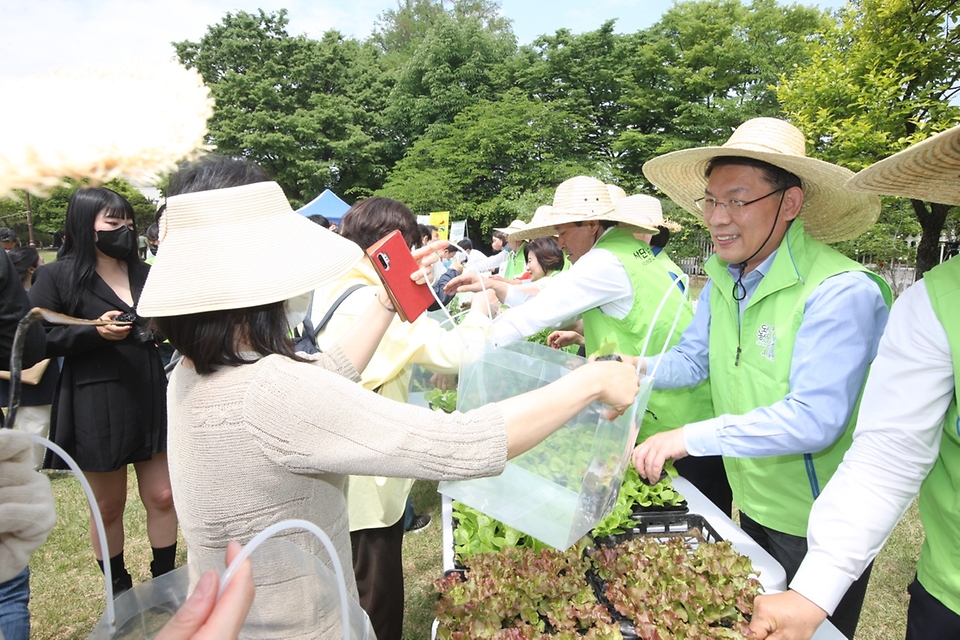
<point x="939" y="566"/>
<point x="673" y="408"/>
<point x="669" y="264"/>
<point x="750" y="368"/>
<point x="516" y="264"/>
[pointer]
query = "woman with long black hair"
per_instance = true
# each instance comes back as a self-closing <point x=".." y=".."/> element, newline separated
<point x="110" y="408"/>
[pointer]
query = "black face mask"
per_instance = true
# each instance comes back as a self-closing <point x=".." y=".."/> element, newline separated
<point x="118" y="243"/>
<point x="153" y="248"/>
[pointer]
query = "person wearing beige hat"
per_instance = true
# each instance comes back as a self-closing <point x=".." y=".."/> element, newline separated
<point x="786" y="329"/>
<point x="615" y="287"/>
<point x="906" y="440"/>
<point x="260" y="434"/>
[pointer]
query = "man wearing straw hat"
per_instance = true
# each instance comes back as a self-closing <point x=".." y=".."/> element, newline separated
<point x="785" y="329"/>
<point x="615" y="287"/>
<point x="906" y="442"/>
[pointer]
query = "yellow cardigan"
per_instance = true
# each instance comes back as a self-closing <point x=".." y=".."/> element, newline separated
<point x="375" y="502"/>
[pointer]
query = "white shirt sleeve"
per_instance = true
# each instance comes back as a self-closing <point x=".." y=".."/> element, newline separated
<point x="597" y="279"/>
<point x="895" y="445"/>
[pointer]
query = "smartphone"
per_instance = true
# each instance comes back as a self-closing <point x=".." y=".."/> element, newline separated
<point x="394" y="263"/>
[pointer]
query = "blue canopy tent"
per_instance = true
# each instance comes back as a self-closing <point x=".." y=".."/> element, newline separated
<point x="328" y="205"/>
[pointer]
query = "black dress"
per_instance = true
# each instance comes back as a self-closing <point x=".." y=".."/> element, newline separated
<point x="110" y="405"/>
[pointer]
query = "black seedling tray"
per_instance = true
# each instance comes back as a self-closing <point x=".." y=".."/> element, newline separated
<point x="640" y="512"/>
<point x="692" y="527"/>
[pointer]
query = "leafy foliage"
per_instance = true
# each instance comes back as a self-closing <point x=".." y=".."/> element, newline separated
<point x="522" y="593"/>
<point x="301" y="108"/>
<point x="635" y="493"/>
<point x="440" y="400"/>
<point x="476" y="533"/>
<point x="880" y="79"/>
<point x="667" y="591"/>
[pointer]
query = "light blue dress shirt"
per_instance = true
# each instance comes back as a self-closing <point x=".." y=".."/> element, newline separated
<point x="843" y="320"/>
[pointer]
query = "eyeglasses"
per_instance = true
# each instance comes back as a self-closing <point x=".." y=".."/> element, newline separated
<point x="733" y="207"/>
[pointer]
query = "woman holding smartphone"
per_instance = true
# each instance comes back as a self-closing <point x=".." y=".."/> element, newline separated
<point x="109" y="410"/>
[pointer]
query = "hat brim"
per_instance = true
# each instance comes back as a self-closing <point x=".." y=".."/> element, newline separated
<point x="547" y="226"/>
<point x="830" y="212"/>
<point x="927" y="171"/>
<point x="207" y="262"/>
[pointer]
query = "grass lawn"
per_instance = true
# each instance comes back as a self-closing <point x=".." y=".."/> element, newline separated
<point x="68" y="598"/>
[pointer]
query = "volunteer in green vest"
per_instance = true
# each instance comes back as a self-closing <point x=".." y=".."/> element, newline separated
<point x="516" y="260"/>
<point x="786" y="329"/>
<point x="907" y="439"/>
<point x="615" y="286"/>
<point x="508" y="261"/>
<point x="657" y="241"/>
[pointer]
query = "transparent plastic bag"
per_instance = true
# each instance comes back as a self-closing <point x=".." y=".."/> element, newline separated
<point x="562" y="488"/>
<point x="297" y="595"/>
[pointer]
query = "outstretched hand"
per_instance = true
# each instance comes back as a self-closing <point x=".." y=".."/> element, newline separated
<point x="652" y="453"/>
<point x="426" y="256"/>
<point x="561" y="339"/>
<point x="468" y="282"/>
<point x="620" y="387"/>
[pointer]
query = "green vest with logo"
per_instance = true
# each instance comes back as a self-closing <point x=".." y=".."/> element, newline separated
<point x="750" y="368"/>
<point x="516" y="264"/>
<point x="939" y="566"/>
<point x="664" y="259"/>
<point x="673" y="408"/>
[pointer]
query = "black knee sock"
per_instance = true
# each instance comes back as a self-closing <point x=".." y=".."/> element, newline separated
<point x="163" y="560"/>
<point x="122" y="580"/>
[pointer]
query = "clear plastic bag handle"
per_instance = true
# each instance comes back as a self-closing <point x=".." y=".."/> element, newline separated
<point x="685" y="281"/>
<point x="284" y="525"/>
<point x="97" y="520"/>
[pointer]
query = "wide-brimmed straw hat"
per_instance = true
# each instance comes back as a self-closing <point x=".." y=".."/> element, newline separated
<point x="579" y="199"/>
<point x="538" y="217"/>
<point x="928" y="171"/>
<point x="60" y="125"/>
<point x="645" y="211"/>
<point x="616" y="192"/>
<point x="830" y="212"/>
<point x="185" y="278"/>
<point x="513" y="227"/>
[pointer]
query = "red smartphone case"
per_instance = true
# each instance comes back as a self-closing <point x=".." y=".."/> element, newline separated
<point x="394" y="263"/>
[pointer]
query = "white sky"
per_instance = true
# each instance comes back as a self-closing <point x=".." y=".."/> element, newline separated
<point x="39" y="35"/>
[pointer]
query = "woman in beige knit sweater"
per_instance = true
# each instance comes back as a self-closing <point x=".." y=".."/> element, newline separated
<point x="259" y="434"/>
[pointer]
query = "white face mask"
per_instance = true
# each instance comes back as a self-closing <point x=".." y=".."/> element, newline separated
<point x="297" y="309"/>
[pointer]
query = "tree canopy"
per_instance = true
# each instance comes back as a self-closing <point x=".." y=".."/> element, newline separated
<point x="440" y="108"/>
<point x="880" y="78"/>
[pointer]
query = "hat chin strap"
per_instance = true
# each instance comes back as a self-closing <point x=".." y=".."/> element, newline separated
<point x="739" y="289"/>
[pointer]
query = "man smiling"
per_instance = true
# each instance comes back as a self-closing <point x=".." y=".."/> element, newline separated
<point x="786" y="329"/>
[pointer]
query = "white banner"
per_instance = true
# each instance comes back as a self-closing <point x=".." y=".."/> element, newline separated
<point x="458" y="230"/>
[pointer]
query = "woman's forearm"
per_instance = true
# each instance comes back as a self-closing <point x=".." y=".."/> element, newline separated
<point x="361" y="341"/>
<point x="533" y="416"/>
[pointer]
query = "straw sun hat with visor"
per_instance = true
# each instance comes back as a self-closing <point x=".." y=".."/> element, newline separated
<point x="194" y="222"/>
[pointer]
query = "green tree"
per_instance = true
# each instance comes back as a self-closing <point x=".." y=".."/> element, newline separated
<point x="703" y="69"/>
<point x="398" y="32"/>
<point x="879" y="80"/>
<point x="305" y="110"/>
<point x="454" y="66"/>
<point x="582" y="74"/>
<point x="493" y="155"/>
